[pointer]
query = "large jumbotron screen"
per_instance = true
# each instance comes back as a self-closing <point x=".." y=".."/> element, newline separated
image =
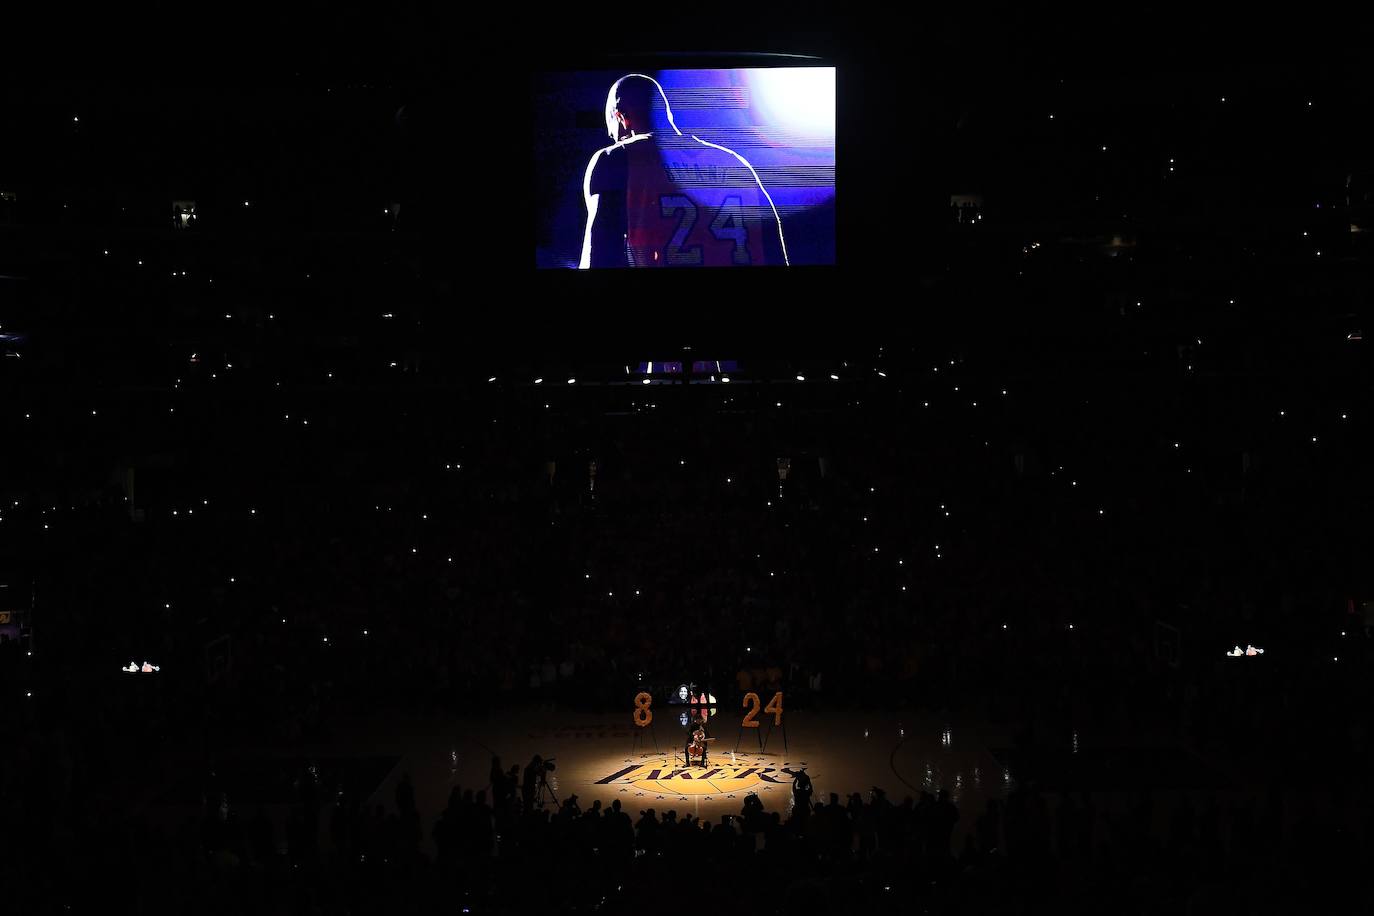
<point x="685" y="167"/>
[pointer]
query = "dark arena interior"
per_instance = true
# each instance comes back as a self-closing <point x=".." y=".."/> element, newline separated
<point x="998" y="547"/>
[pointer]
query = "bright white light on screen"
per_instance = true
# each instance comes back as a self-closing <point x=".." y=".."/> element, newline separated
<point x="797" y="98"/>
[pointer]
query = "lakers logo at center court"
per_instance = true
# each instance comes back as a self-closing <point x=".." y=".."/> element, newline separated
<point x="662" y="774"/>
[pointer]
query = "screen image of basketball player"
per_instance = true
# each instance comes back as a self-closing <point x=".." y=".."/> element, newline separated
<point x="685" y="168"/>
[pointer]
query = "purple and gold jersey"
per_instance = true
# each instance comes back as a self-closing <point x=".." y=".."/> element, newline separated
<point x="686" y="203"/>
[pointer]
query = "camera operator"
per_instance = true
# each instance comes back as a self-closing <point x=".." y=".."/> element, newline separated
<point x="801" y="795"/>
<point x="530" y="784"/>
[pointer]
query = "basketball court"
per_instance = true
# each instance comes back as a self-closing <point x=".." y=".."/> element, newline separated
<point x="605" y="757"/>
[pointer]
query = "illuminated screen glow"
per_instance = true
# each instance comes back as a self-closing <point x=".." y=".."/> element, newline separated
<point x="685" y="168"/>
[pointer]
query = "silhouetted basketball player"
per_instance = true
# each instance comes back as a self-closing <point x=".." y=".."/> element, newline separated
<point x="661" y="198"/>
